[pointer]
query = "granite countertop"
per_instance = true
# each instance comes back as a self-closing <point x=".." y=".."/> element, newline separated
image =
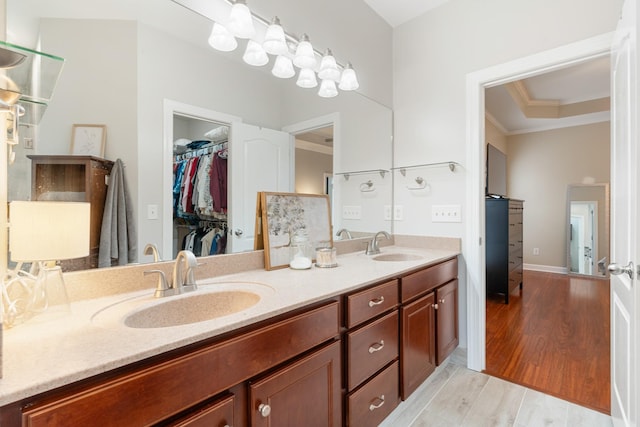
<point x="41" y="356"/>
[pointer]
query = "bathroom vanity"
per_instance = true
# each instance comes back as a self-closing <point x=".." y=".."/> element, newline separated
<point x="332" y="347"/>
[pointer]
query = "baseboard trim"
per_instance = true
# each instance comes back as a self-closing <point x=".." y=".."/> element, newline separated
<point x="545" y="268"/>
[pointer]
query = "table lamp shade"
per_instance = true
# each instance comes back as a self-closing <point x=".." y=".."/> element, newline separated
<point x="48" y="231"/>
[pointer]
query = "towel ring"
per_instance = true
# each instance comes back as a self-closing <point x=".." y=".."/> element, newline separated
<point x="367" y="187"/>
<point x="422" y="184"/>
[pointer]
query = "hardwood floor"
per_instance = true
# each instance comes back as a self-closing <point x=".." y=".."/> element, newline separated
<point x="553" y="337"/>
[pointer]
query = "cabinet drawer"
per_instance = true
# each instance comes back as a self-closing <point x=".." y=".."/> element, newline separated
<point x="175" y="385"/>
<point x="371" y="347"/>
<point x="369" y="405"/>
<point x="421" y="282"/>
<point x="369" y="303"/>
<point x="219" y="413"/>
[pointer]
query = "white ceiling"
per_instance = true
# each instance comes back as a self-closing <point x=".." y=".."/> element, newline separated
<point x="397" y="12"/>
<point x="578" y="83"/>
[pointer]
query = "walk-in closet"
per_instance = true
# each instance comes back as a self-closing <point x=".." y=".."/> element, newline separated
<point x="200" y="154"/>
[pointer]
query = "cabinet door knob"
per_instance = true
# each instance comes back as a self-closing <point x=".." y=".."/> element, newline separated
<point x="264" y="409"/>
<point x="441" y="301"/>
<point x="435" y="306"/>
<point x="376" y="301"/>
<point x="377" y="405"/>
<point x="376" y="347"/>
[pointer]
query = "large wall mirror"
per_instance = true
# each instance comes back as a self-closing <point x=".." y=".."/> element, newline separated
<point x="588" y="229"/>
<point x="126" y="61"/>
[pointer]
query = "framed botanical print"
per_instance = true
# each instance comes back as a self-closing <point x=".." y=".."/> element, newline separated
<point x="88" y="140"/>
<point x="284" y="215"/>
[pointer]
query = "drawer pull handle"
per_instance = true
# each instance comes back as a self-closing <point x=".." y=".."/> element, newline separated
<point x="375" y="302"/>
<point x="376" y="347"/>
<point x="265" y="410"/>
<point x="375" y="406"/>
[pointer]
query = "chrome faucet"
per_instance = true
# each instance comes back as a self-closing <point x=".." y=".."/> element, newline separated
<point x="182" y="279"/>
<point x="372" y="246"/>
<point x="151" y="249"/>
<point x="345" y="231"/>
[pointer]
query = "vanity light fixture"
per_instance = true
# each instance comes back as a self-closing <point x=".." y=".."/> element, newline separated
<point x="329" y="68"/>
<point x="221" y="39"/>
<point x="348" y="81"/>
<point x="274" y="40"/>
<point x="328" y="89"/>
<point x="255" y="54"/>
<point x="240" y="20"/>
<point x="305" y="57"/>
<point x="283" y="68"/>
<point x="307" y="78"/>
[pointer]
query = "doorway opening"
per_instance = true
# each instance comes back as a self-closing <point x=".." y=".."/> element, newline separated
<point x="474" y="253"/>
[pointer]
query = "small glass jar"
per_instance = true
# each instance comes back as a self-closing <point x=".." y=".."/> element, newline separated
<point x="300" y="251"/>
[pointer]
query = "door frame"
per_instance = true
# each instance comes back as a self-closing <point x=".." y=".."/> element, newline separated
<point x="473" y="247"/>
<point x="169" y="109"/>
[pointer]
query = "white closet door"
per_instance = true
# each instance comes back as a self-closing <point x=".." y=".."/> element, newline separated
<point x="260" y="159"/>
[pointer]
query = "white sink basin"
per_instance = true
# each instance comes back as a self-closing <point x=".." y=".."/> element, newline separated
<point x="208" y="302"/>
<point x="397" y="257"/>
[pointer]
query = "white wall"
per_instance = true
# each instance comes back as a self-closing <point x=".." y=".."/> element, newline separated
<point x="540" y="165"/>
<point x="432" y="56"/>
<point x="310" y="169"/>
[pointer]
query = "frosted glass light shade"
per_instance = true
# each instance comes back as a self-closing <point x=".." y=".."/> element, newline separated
<point x="307" y="78"/>
<point x="274" y="40"/>
<point x="47" y="231"/>
<point x="255" y="54"/>
<point x="348" y="81"/>
<point x="328" y="89"/>
<point x="221" y="39"/>
<point x="240" y="21"/>
<point x="328" y="67"/>
<point x="305" y="57"/>
<point x="283" y="68"/>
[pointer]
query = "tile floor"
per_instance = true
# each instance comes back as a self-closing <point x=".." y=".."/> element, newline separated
<point x="457" y="396"/>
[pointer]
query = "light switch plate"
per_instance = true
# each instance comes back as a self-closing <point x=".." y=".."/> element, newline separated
<point x="446" y="213"/>
<point x="352" y="212"/>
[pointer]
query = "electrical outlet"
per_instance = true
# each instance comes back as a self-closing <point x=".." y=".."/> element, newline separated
<point x="536" y="251"/>
<point x="387" y="212"/>
<point x="398" y="213"/>
<point x="28" y="143"/>
<point x="446" y="213"/>
<point x="352" y="212"/>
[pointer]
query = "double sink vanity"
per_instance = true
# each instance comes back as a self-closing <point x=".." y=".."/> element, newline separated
<point x="326" y="346"/>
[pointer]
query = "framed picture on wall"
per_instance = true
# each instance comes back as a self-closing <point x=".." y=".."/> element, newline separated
<point x="88" y="140"/>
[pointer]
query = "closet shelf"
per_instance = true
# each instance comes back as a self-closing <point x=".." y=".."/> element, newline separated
<point x="451" y="165"/>
<point x="346" y="175"/>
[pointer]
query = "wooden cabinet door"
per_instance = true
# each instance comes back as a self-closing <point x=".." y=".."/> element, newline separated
<point x="305" y="393"/>
<point x="447" y="320"/>
<point x="418" y="349"/>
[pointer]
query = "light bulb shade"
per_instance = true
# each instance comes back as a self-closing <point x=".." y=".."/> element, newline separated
<point x="283" y="68"/>
<point x="255" y="54"/>
<point x="240" y="21"/>
<point x="307" y="78"/>
<point x="305" y="57"/>
<point x="48" y="231"/>
<point x="328" y="89"/>
<point x="329" y="68"/>
<point x="348" y="81"/>
<point x="221" y="39"/>
<point x="274" y="40"/>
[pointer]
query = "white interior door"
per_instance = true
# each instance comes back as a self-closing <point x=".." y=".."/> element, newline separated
<point x="260" y="159"/>
<point x="624" y="221"/>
